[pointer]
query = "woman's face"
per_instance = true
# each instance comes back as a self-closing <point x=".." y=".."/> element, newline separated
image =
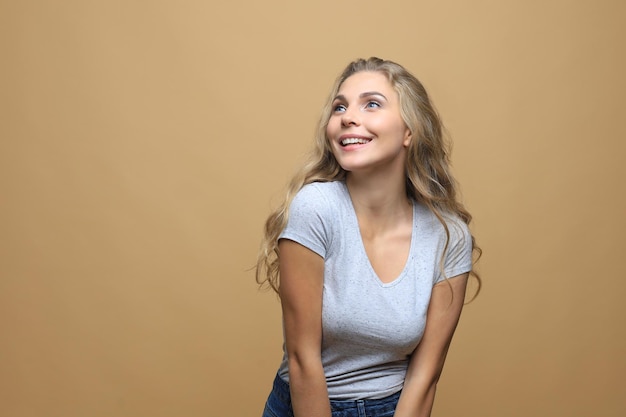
<point x="365" y="129"/>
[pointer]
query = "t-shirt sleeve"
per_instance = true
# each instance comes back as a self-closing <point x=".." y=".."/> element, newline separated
<point x="458" y="257"/>
<point x="308" y="220"/>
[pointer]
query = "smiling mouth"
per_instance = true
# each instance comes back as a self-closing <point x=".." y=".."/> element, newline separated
<point x="354" y="141"/>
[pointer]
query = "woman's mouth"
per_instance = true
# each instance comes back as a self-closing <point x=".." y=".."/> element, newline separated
<point x="354" y="141"/>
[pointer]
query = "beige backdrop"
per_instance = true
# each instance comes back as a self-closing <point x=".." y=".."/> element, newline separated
<point x="143" y="143"/>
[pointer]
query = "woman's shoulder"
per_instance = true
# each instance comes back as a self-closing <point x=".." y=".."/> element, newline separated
<point x="326" y="186"/>
<point x="313" y="214"/>
<point x="429" y="219"/>
<point x="329" y="191"/>
<point x="324" y="200"/>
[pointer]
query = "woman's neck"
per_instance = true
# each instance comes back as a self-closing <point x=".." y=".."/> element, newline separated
<point x="379" y="196"/>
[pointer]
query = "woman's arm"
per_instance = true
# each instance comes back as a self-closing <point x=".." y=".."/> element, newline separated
<point x="428" y="358"/>
<point x="301" y="284"/>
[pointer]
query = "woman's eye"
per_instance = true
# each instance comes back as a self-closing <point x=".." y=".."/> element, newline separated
<point x="372" y="104"/>
<point x="339" y="107"/>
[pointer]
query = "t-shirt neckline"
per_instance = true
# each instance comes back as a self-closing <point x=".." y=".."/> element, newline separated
<point x="362" y="250"/>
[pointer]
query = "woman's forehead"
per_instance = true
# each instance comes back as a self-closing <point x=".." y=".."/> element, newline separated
<point x="365" y="79"/>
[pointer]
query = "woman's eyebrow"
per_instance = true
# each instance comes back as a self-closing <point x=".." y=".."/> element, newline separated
<point x="372" y="93"/>
<point x="341" y="97"/>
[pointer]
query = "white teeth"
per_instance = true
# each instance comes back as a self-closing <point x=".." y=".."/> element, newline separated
<point x="352" y="141"/>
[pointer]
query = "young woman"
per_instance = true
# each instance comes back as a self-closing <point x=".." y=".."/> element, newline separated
<point x="370" y="253"/>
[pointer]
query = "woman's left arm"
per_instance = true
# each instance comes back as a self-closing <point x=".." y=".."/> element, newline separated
<point x="427" y="360"/>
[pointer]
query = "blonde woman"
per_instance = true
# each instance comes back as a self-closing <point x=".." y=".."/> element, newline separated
<point x="370" y="254"/>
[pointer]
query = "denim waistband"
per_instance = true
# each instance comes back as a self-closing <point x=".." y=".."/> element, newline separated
<point x="281" y="390"/>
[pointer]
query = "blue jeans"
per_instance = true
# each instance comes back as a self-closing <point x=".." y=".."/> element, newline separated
<point x="279" y="404"/>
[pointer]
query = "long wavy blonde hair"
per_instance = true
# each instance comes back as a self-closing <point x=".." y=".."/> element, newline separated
<point x="428" y="177"/>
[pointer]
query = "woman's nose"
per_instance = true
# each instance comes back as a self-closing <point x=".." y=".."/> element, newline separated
<point x="350" y="117"/>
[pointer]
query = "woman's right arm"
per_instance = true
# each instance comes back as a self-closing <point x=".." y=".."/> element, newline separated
<point x="301" y="284"/>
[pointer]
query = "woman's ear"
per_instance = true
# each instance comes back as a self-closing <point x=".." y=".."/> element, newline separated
<point x="407" y="138"/>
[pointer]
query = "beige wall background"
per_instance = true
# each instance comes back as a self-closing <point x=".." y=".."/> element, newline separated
<point x="142" y="144"/>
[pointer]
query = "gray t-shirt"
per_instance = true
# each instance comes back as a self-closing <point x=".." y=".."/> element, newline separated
<point x="370" y="328"/>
